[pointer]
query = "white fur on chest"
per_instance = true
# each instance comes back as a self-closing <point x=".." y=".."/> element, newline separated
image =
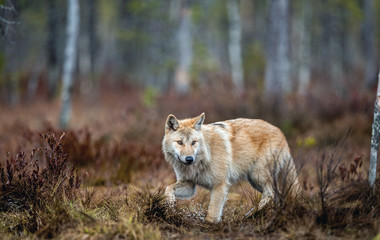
<point x="198" y="173"/>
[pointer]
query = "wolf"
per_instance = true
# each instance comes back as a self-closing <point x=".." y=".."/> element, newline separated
<point x="217" y="155"/>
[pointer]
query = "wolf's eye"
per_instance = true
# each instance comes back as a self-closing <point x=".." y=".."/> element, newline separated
<point x="179" y="142"/>
<point x="193" y="143"/>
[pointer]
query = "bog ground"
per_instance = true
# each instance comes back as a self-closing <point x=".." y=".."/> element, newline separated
<point x="103" y="178"/>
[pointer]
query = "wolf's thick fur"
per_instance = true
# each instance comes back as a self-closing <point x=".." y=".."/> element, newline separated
<point x="217" y="155"/>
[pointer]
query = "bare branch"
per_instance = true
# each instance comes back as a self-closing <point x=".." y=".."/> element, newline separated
<point x="6" y="8"/>
<point x="8" y="22"/>
<point x="6" y="12"/>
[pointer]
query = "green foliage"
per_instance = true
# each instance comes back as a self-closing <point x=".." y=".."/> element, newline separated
<point x="146" y="8"/>
<point x="202" y="64"/>
<point x="128" y="36"/>
<point x="287" y="127"/>
<point x="107" y="12"/>
<point x="351" y="7"/>
<point x="307" y="142"/>
<point x="150" y="96"/>
<point x="254" y="64"/>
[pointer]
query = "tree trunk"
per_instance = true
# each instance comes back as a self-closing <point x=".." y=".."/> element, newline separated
<point x="303" y="54"/>
<point x="375" y="138"/>
<point x="234" y="46"/>
<point x="336" y="52"/>
<point x="33" y="81"/>
<point x="369" y="43"/>
<point x="52" y="59"/>
<point x="70" y="59"/>
<point x="92" y="23"/>
<point x="277" y="79"/>
<point x="87" y="48"/>
<point x="185" y="43"/>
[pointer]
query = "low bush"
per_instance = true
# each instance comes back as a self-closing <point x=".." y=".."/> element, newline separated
<point x="37" y="186"/>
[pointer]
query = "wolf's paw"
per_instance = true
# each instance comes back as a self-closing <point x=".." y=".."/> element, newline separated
<point x="169" y="194"/>
<point x="212" y="219"/>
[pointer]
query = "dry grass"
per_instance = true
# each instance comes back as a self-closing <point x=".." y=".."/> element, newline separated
<point x="115" y="145"/>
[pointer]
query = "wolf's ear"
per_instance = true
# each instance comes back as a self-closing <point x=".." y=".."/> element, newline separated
<point x="199" y="121"/>
<point x="172" y="123"/>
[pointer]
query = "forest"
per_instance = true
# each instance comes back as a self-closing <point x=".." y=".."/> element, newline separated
<point x="86" y="87"/>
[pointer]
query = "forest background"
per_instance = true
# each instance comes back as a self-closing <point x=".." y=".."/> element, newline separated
<point x="309" y="67"/>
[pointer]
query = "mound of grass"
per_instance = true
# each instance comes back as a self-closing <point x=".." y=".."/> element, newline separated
<point x="34" y="188"/>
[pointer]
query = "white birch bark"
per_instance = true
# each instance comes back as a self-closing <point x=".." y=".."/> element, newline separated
<point x="185" y="44"/>
<point x="277" y="79"/>
<point x="375" y="138"/>
<point x="72" y="32"/>
<point x="234" y="45"/>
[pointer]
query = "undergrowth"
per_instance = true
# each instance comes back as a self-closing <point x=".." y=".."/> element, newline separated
<point x="120" y="192"/>
<point x="41" y="196"/>
<point x="33" y="188"/>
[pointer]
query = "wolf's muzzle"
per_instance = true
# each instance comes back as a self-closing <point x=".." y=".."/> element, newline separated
<point x="189" y="160"/>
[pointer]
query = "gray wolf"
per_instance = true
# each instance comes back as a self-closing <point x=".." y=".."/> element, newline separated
<point x="217" y="155"/>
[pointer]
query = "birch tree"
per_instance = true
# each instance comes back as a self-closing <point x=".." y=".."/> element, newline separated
<point x="277" y="79"/>
<point x="185" y="45"/>
<point x="234" y="45"/>
<point x="72" y="32"/>
<point x="375" y="137"/>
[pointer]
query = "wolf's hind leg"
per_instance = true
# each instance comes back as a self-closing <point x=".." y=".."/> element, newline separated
<point x="260" y="181"/>
<point x="181" y="189"/>
<point x="266" y="197"/>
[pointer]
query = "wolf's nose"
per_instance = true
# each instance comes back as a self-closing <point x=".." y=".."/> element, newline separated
<point x="189" y="159"/>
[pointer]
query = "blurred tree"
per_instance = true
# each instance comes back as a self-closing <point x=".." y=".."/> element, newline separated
<point x="375" y="138"/>
<point x="277" y="79"/>
<point x="52" y="48"/>
<point x="6" y="22"/>
<point x="11" y="79"/>
<point x="146" y="45"/>
<point x="369" y="43"/>
<point x="70" y="59"/>
<point x="87" y="47"/>
<point x="185" y="45"/>
<point x="331" y="42"/>
<point x="188" y="44"/>
<point x="210" y="46"/>
<point x="253" y="15"/>
<point x="234" y="45"/>
<point x="301" y="45"/>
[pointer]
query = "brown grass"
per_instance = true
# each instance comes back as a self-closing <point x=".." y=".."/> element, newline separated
<point x="115" y="144"/>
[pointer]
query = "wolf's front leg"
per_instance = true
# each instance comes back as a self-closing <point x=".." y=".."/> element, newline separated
<point x="180" y="189"/>
<point x="217" y="200"/>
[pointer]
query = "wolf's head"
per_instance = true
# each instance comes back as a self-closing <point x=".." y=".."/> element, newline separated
<point x="183" y="138"/>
